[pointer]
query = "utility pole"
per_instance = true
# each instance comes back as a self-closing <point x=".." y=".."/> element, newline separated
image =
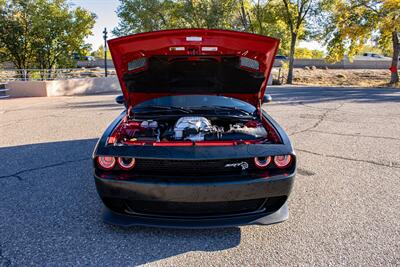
<point x="105" y="52"/>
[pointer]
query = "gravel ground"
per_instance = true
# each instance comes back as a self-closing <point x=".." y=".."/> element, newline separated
<point x="345" y="206"/>
<point x="342" y="77"/>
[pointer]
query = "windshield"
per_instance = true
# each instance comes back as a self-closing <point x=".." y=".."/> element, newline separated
<point x="197" y="101"/>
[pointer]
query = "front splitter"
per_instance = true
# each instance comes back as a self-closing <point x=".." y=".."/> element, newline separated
<point x="123" y="220"/>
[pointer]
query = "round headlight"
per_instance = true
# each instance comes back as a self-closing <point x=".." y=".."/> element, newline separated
<point x="262" y="162"/>
<point x="282" y="161"/>
<point x="126" y="163"/>
<point x="106" y="163"/>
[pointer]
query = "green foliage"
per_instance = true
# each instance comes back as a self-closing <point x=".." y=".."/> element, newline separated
<point x="373" y="49"/>
<point x="296" y="13"/>
<point x="142" y="16"/>
<point x="286" y="20"/>
<point x="43" y="33"/>
<point x="208" y="14"/>
<point x="265" y="18"/>
<point x="308" y="53"/>
<point x="351" y="24"/>
<point x="261" y="17"/>
<point x="388" y="25"/>
<point x="151" y="15"/>
<point x="99" y="53"/>
<point x="16" y="33"/>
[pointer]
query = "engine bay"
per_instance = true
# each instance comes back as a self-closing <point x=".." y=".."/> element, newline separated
<point x="189" y="129"/>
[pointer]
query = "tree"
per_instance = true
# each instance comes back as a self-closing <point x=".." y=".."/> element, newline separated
<point x="308" y="53"/>
<point x="372" y="49"/>
<point x="264" y="17"/>
<point x="295" y="13"/>
<point x="209" y="14"/>
<point x="43" y="33"/>
<point x="388" y="13"/>
<point x="99" y="53"/>
<point x="59" y="32"/>
<point x="142" y="16"/>
<point x="259" y="16"/>
<point x="16" y="33"/>
<point x="352" y="24"/>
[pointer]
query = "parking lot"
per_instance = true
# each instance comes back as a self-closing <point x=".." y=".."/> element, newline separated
<point x="344" y="209"/>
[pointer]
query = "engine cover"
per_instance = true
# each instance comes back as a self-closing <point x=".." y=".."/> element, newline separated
<point x="191" y="126"/>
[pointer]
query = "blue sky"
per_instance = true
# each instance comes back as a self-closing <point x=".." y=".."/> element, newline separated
<point x="106" y="17"/>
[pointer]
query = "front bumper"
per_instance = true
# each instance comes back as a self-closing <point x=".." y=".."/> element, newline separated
<point x="123" y="220"/>
<point x="277" y="187"/>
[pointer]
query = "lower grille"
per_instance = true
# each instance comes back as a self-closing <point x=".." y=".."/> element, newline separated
<point x="192" y="167"/>
<point x="194" y="208"/>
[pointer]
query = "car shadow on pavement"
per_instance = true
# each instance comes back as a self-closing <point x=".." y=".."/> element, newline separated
<point x="50" y="214"/>
<point x="320" y="94"/>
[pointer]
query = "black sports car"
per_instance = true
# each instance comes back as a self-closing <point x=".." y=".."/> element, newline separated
<point x="193" y="147"/>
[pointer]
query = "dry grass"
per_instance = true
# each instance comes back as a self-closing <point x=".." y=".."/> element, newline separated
<point x="356" y="78"/>
<point x="11" y="75"/>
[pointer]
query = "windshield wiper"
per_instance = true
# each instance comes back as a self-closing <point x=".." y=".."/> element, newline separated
<point x="152" y="109"/>
<point x="223" y="108"/>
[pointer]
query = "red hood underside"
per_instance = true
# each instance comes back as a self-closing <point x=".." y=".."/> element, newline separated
<point x="193" y="61"/>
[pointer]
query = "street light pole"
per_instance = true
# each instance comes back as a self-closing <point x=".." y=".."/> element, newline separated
<point x="105" y="51"/>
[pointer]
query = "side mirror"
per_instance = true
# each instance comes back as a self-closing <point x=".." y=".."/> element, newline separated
<point x="120" y="99"/>
<point x="267" y="99"/>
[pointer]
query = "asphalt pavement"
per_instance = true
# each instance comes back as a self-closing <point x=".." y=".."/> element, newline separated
<point x="344" y="208"/>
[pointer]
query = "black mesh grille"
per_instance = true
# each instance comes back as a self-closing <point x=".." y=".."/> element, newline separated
<point x="193" y="168"/>
<point x="194" y="208"/>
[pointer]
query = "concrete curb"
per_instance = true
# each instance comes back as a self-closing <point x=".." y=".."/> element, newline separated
<point x="68" y="87"/>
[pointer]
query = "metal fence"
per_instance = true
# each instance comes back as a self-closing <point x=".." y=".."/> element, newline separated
<point x="7" y="75"/>
<point x="3" y="91"/>
<point x="298" y="63"/>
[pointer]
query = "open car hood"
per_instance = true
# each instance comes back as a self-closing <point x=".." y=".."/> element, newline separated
<point x="193" y="61"/>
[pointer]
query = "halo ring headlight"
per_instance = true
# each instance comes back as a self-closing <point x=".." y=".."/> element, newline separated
<point x="262" y="162"/>
<point x="282" y="161"/>
<point x="106" y="163"/>
<point x="126" y="163"/>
